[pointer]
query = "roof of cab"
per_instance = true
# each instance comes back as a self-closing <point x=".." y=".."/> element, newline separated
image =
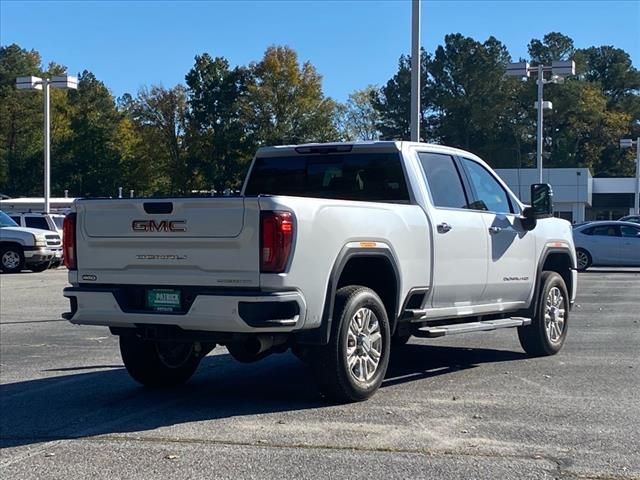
<point x="371" y="145"/>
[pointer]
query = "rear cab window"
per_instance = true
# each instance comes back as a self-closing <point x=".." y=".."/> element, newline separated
<point x="371" y="177"/>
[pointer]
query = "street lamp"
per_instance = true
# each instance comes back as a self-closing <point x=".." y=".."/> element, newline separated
<point x="558" y="71"/>
<point x="415" y="71"/>
<point x="44" y="84"/>
<point x="630" y="143"/>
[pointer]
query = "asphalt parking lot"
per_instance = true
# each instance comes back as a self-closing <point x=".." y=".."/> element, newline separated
<point x="471" y="406"/>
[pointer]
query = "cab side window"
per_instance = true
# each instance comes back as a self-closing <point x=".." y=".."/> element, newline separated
<point x="444" y="180"/>
<point x="490" y="195"/>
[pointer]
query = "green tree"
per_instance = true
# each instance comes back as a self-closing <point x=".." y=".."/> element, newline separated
<point x="87" y="162"/>
<point x="218" y="147"/>
<point x="284" y="102"/>
<point x="392" y="102"/>
<point x="470" y="95"/>
<point x="358" y="118"/>
<point x="554" y="46"/>
<point x="160" y="115"/>
<point x="21" y="121"/>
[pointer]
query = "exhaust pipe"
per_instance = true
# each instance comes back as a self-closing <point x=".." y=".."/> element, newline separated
<point x="257" y="347"/>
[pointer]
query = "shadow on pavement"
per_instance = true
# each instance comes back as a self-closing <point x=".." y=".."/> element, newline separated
<point x="85" y="404"/>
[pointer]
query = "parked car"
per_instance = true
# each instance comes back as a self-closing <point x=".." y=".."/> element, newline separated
<point x="42" y="221"/>
<point x="607" y="243"/>
<point x="630" y="218"/>
<point x="27" y="248"/>
<point x="340" y="252"/>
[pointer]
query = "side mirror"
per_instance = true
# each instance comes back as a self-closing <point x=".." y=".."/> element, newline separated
<point x="541" y="205"/>
<point x="542" y="200"/>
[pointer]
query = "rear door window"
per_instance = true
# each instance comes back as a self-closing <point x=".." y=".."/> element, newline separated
<point x="372" y="177"/>
<point x="443" y="178"/>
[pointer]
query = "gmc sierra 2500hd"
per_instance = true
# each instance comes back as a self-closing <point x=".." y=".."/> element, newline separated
<point x="340" y="252"/>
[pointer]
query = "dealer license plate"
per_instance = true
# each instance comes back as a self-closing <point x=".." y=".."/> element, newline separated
<point x="163" y="300"/>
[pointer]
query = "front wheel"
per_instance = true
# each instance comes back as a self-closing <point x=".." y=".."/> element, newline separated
<point x="353" y="364"/>
<point x="158" y="364"/>
<point x="11" y="259"/>
<point x="548" y="329"/>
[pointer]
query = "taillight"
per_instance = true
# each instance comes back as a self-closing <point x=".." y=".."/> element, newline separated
<point x="276" y="237"/>
<point x="69" y="241"/>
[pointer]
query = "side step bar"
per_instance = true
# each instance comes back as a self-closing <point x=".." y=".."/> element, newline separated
<point x="485" y="326"/>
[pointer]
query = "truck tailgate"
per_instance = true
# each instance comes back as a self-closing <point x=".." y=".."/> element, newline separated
<point x="182" y="241"/>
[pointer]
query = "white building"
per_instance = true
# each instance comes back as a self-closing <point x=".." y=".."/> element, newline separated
<point x="577" y="195"/>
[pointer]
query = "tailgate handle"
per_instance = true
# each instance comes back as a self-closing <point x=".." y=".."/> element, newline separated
<point x="158" y="207"/>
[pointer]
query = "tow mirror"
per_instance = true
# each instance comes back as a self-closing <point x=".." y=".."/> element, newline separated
<point x="541" y="205"/>
<point x="542" y="200"/>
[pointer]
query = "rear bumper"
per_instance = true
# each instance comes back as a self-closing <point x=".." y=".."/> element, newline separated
<point x="233" y="312"/>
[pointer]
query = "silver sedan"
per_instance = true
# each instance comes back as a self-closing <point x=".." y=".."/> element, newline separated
<point x="607" y="243"/>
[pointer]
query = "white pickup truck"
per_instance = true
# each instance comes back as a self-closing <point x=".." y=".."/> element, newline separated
<point x="340" y="252"/>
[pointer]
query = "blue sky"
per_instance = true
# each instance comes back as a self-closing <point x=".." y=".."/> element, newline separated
<point x="351" y="43"/>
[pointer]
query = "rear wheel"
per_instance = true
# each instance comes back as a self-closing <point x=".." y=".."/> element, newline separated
<point x="11" y="259"/>
<point x="584" y="259"/>
<point x="548" y="329"/>
<point x="158" y="364"/>
<point x="352" y="366"/>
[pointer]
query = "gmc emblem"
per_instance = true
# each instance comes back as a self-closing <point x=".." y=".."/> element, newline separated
<point x="159" y="226"/>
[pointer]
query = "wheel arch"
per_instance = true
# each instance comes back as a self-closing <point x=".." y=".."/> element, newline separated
<point x="354" y="266"/>
<point x="554" y="259"/>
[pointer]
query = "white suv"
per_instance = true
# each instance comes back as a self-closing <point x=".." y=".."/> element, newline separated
<point x="27" y="248"/>
<point x="42" y="221"/>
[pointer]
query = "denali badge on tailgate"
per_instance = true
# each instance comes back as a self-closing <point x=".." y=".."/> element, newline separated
<point x="159" y="226"/>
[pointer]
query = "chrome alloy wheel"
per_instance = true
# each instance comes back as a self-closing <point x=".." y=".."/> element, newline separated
<point x="364" y="345"/>
<point x="554" y="315"/>
<point x="10" y="259"/>
<point x="583" y="259"/>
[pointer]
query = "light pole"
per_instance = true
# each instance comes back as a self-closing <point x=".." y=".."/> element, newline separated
<point x="558" y="71"/>
<point x="415" y="70"/>
<point x="630" y="143"/>
<point x="44" y="84"/>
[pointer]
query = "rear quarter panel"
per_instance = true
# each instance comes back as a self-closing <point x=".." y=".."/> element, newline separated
<point x="324" y="227"/>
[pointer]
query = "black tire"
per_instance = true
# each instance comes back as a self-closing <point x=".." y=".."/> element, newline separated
<point x="581" y="253"/>
<point x="336" y="379"/>
<point x="399" y="340"/>
<point x="147" y="365"/>
<point x="40" y="267"/>
<point x="11" y="259"/>
<point x="546" y="337"/>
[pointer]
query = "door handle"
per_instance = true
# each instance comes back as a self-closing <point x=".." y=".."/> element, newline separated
<point x="444" y="227"/>
<point x="495" y="230"/>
